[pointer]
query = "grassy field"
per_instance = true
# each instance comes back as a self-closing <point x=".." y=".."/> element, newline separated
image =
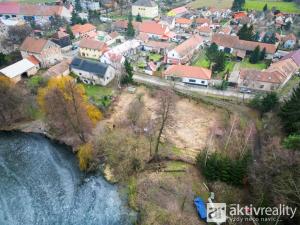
<point x="288" y="7"/>
<point x="155" y="57"/>
<point x="202" y="62"/>
<point x="96" y="93"/>
<point x="248" y="65"/>
<point x="220" y="4"/>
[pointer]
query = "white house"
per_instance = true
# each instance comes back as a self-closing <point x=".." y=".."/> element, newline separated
<point x="188" y="74"/>
<point x="92" y="72"/>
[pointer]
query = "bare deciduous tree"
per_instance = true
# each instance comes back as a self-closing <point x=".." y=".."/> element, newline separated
<point x="164" y="113"/>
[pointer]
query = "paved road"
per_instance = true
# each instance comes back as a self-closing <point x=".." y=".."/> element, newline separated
<point x="146" y="79"/>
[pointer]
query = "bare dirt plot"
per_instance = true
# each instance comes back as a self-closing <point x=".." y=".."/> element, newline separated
<point x="192" y="122"/>
<point x="167" y="198"/>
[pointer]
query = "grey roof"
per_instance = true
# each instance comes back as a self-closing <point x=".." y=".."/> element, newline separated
<point x="146" y="3"/>
<point x="91" y="66"/>
<point x="295" y="55"/>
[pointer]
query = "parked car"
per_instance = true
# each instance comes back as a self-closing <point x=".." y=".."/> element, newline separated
<point x="245" y="90"/>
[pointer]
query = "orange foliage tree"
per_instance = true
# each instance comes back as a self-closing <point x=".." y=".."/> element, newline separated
<point x="67" y="110"/>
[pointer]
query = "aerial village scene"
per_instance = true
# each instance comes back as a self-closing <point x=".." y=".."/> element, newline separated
<point x="149" y="112"/>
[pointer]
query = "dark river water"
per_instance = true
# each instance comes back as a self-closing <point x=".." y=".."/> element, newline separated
<point x="40" y="184"/>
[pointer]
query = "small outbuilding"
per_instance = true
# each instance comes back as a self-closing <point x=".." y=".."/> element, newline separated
<point x="22" y="68"/>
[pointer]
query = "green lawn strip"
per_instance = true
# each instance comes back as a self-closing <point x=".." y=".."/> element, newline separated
<point x="155" y="57"/>
<point x="287" y="7"/>
<point x="259" y="66"/>
<point x="202" y="62"/>
<point x="96" y="93"/>
<point x="288" y="87"/>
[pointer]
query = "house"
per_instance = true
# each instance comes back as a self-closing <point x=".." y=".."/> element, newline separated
<point x="295" y="56"/>
<point x="232" y="44"/>
<point x="93" y="49"/>
<point x="154" y="30"/>
<point x="145" y="8"/>
<point x="225" y="30"/>
<point x="168" y="21"/>
<point x="84" y="31"/>
<point x="159" y="47"/>
<point x="202" y="21"/>
<point x="121" y="25"/>
<point x="183" y="22"/>
<point x="61" y="38"/>
<point x="204" y="31"/>
<point x="45" y="51"/>
<point x="270" y="79"/>
<point x="188" y="74"/>
<point x="289" y="41"/>
<point x="33" y="12"/>
<point x="114" y="37"/>
<point x="92" y="72"/>
<point x="239" y="15"/>
<point x="116" y="55"/>
<point x="178" y="12"/>
<point x="90" y="5"/>
<point x="23" y="68"/>
<point x="60" y="69"/>
<point x="184" y="52"/>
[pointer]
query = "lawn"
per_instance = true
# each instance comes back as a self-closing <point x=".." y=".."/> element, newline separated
<point x="248" y="65"/>
<point x="287" y="7"/>
<point x="202" y="62"/>
<point x="289" y="86"/>
<point x="155" y="57"/>
<point x="221" y="4"/>
<point x="97" y="93"/>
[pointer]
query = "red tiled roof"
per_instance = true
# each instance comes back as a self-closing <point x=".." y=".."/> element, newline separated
<point x="179" y="10"/>
<point x="204" y="29"/>
<point x="40" y="10"/>
<point x="114" y="34"/>
<point x="239" y="15"/>
<point x="152" y="28"/>
<point x="159" y="44"/>
<point x="183" y="21"/>
<point x="33" y="45"/>
<point x="262" y="76"/>
<point x="295" y="56"/>
<point x="92" y="44"/>
<point x="123" y="24"/>
<point x="188" y="45"/>
<point x="188" y="71"/>
<point x="202" y="20"/>
<point x="32" y="59"/>
<point x="234" y="42"/>
<point x="9" y="8"/>
<point x="78" y="28"/>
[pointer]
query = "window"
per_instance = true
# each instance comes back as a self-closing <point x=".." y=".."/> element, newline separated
<point x="261" y="86"/>
<point x="192" y="80"/>
<point x="202" y="82"/>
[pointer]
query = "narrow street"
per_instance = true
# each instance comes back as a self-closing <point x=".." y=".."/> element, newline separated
<point x="206" y="91"/>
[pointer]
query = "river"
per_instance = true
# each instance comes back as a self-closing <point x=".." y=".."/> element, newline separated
<point x="40" y="184"/>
